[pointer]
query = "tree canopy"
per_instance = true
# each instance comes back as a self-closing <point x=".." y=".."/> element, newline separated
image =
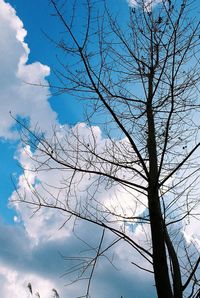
<point x="138" y="77"/>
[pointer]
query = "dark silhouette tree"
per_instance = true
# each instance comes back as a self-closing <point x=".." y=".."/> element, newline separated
<point x="140" y="80"/>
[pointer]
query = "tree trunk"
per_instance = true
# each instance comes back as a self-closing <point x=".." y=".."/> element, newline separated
<point x="177" y="282"/>
<point x="160" y="265"/>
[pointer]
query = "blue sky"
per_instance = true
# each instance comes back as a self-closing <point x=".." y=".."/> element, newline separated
<point x="31" y="247"/>
<point x="35" y="21"/>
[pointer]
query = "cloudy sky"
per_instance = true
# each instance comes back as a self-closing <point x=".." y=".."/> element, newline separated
<point x="32" y="248"/>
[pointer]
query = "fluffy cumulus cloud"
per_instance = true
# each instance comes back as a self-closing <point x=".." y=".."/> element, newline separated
<point x="20" y="259"/>
<point x="44" y="236"/>
<point x="52" y="182"/>
<point x="42" y="265"/>
<point x="16" y="76"/>
<point x="32" y="249"/>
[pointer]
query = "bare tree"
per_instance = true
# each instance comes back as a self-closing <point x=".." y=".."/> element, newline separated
<point x="140" y="80"/>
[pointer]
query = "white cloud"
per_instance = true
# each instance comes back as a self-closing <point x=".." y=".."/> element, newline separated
<point x="41" y="237"/>
<point x="53" y="181"/>
<point x="191" y="229"/>
<point x="147" y="4"/>
<point x="15" y="284"/>
<point x="42" y="265"/>
<point x="42" y="228"/>
<point x="17" y="96"/>
<point x="45" y="225"/>
<point x="21" y="263"/>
